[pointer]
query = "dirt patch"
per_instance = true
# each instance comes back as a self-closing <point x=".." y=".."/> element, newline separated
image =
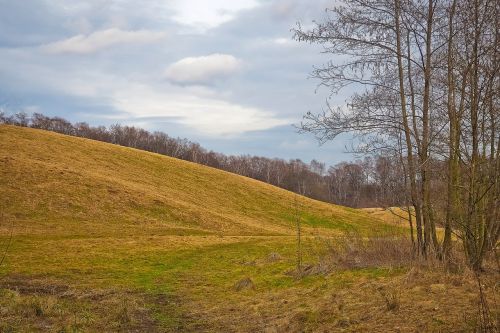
<point x="37" y="304"/>
<point x="30" y="286"/>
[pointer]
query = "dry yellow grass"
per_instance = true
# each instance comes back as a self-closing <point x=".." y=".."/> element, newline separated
<point x="72" y="185"/>
<point x="108" y="238"/>
<point x="395" y="215"/>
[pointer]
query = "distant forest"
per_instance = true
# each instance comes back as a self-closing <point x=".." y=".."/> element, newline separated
<point x="376" y="181"/>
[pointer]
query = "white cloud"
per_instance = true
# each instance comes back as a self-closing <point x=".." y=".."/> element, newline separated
<point x="102" y="39"/>
<point x="203" y="15"/>
<point x="205" y="113"/>
<point x="202" y="69"/>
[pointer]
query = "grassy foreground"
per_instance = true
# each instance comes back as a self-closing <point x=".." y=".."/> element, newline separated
<point x="108" y="238"/>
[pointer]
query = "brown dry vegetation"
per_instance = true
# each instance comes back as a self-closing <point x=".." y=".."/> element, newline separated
<point x="107" y="238"/>
<point x="394" y="215"/>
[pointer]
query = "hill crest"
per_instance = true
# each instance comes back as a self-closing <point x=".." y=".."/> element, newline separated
<point x="58" y="181"/>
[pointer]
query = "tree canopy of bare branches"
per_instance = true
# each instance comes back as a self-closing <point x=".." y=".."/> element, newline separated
<point x="427" y="76"/>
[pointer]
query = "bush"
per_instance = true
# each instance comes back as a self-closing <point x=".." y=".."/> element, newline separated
<point x="353" y="251"/>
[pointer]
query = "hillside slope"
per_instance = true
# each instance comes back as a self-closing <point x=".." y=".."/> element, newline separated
<point x="100" y="238"/>
<point x="78" y="186"/>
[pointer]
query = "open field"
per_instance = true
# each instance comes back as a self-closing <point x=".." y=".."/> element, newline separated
<point x="108" y="238"/>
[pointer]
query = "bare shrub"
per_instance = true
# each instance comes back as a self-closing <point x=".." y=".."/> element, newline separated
<point x="244" y="284"/>
<point x="123" y="315"/>
<point x="484" y="318"/>
<point x="353" y="251"/>
<point x="37" y="307"/>
<point x="392" y="299"/>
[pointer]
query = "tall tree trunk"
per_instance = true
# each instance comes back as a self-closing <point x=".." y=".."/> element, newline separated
<point x="429" y="223"/>
<point x="407" y="131"/>
<point x="453" y="141"/>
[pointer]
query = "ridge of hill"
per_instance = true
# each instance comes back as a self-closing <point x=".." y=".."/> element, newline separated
<point x="69" y="185"/>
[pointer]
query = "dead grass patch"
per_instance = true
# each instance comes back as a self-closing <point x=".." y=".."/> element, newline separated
<point x="352" y="251"/>
<point x="28" y="304"/>
<point x="421" y="300"/>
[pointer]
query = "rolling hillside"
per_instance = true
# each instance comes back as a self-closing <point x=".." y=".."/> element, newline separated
<point x="74" y="185"/>
<point x="106" y="238"/>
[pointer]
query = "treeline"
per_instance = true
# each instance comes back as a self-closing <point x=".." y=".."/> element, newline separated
<point x="374" y="181"/>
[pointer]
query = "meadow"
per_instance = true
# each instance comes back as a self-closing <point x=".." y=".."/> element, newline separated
<point x="99" y="237"/>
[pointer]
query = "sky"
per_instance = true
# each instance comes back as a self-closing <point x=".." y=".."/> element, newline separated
<point x="224" y="73"/>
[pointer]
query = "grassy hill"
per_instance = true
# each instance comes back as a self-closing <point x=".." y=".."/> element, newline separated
<point x="76" y="186"/>
<point x="107" y="238"/>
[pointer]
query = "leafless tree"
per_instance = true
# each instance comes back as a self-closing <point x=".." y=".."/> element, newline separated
<point x="427" y="72"/>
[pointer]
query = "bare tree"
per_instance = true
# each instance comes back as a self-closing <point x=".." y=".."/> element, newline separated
<point x="407" y="57"/>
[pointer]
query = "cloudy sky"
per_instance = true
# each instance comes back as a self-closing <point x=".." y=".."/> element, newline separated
<point x="224" y="73"/>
